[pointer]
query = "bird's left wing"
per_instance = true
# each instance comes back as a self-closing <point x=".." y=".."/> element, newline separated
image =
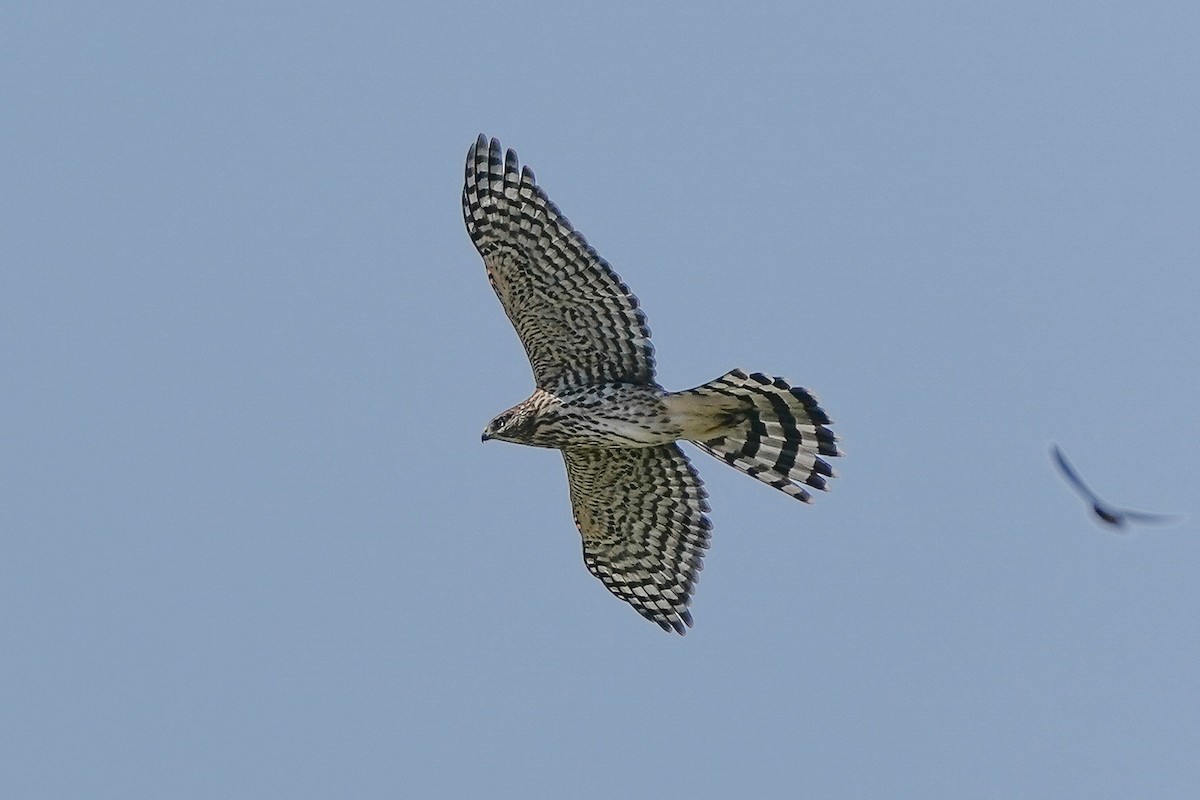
<point x="1072" y="476"/>
<point x="578" y="322"/>
<point x="641" y="514"/>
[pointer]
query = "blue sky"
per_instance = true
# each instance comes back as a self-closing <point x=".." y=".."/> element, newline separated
<point x="253" y="547"/>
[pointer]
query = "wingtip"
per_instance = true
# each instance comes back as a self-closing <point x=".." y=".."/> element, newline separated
<point x="479" y="146"/>
<point x="679" y="621"/>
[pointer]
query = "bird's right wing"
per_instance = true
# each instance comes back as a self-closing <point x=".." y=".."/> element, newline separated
<point x="641" y="512"/>
<point x="1150" y="517"/>
<point x="579" y="323"/>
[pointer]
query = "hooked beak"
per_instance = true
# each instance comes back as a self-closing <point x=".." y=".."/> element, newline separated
<point x="485" y="437"/>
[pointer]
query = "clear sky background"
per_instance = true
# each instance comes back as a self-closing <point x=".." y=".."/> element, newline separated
<point x="252" y="546"/>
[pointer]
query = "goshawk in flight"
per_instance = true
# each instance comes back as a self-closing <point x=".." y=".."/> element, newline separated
<point x="637" y="500"/>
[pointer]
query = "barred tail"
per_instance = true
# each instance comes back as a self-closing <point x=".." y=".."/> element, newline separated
<point x="762" y="426"/>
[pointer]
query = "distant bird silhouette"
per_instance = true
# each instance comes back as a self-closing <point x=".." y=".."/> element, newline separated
<point x="1110" y="515"/>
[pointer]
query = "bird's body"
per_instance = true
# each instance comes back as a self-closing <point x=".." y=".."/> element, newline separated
<point x="637" y="501"/>
<point x="603" y="415"/>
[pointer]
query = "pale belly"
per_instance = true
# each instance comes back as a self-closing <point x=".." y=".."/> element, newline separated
<point x="612" y="432"/>
<point x="610" y="416"/>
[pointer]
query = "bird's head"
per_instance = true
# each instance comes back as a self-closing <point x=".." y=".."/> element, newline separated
<point x="515" y="425"/>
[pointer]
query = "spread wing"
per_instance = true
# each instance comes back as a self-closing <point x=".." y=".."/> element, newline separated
<point x="579" y="323"/>
<point x="641" y="514"/>
<point x="1072" y="476"/>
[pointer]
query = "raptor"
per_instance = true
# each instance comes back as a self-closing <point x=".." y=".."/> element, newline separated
<point x="637" y="500"/>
